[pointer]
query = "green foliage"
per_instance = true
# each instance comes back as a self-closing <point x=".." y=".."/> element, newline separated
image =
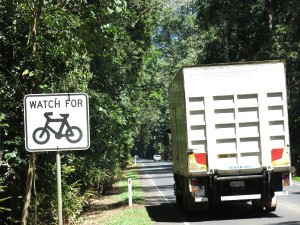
<point x="175" y="44"/>
<point x="95" y="47"/>
<point x="2" y="200"/>
<point x="72" y="202"/>
<point x="3" y="209"/>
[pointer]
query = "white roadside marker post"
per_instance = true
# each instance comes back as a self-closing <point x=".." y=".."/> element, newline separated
<point x="129" y="192"/>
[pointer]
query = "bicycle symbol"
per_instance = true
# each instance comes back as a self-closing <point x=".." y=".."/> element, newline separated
<point x="41" y="135"/>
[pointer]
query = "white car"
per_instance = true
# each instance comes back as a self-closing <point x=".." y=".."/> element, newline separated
<point x="156" y="158"/>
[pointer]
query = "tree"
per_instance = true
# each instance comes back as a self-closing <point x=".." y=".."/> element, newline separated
<point x="175" y="44"/>
<point x="96" y="47"/>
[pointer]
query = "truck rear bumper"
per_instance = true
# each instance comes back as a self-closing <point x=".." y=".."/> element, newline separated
<point x="240" y="197"/>
<point x="249" y="197"/>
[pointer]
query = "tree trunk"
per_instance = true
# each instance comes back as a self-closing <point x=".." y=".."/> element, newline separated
<point x="270" y="16"/>
<point x="30" y="177"/>
<point x="37" y="9"/>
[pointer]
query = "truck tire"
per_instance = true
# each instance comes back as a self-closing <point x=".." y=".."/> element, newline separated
<point x="179" y="199"/>
<point x="271" y="204"/>
<point x="257" y="205"/>
<point x="187" y="200"/>
<point x="178" y="196"/>
<point x="188" y="204"/>
<point x="178" y="192"/>
<point x="202" y="207"/>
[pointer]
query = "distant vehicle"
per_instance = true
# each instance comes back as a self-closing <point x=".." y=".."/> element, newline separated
<point x="156" y="158"/>
<point x="136" y="157"/>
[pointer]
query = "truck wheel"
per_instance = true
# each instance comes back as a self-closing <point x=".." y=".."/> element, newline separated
<point x="257" y="205"/>
<point x="187" y="204"/>
<point x="190" y="206"/>
<point x="179" y="199"/>
<point x="178" y="196"/>
<point x="178" y="191"/>
<point x="201" y="207"/>
<point x="271" y="204"/>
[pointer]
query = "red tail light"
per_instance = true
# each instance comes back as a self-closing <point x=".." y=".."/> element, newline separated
<point x="286" y="179"/>
<point x="194" y="184"/>
<point x="277" y="153"/>
<point x="201" y="158"/>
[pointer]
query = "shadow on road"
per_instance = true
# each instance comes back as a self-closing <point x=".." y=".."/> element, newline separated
<point x="169" y="213"/>
<point x="286" y="223"/>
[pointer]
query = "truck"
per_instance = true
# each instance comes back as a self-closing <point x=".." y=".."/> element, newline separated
<point x="229" y="134"/>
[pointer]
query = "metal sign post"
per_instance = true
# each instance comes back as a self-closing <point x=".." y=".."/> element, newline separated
<point x="59" y="189"/>
<point x="57" y="122"/>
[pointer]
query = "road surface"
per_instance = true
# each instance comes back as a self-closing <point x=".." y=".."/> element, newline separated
<point x="157" y="182"/>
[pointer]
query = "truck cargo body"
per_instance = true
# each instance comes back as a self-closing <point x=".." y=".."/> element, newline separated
<point x="229" y="134"/>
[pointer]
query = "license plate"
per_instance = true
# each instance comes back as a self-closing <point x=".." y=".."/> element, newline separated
<point x="237" y="184"/>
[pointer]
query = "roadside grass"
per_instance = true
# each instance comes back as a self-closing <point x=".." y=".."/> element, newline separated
<point x="136" y="214"/>
<point x="296" y="179"/>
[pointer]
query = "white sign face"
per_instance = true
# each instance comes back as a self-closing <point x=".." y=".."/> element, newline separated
<point x="56" y="122"/>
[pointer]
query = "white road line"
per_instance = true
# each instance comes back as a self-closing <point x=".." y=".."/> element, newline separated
<point x="167" y="200"/>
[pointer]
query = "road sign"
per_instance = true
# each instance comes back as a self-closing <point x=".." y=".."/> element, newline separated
<point x="56" y="122"/>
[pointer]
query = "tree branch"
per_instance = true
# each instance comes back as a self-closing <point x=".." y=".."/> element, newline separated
<point x="144" y="11"/>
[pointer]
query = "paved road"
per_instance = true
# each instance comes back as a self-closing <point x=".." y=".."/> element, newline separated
<point x="157" y="182"/>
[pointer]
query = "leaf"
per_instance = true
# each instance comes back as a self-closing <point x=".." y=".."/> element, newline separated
<point x="25" y="72"/>
<point x="110" y="11"/>
<point x="119" y="9"/>
<point x="3" y="199"/>
<point x="4" y="209"/>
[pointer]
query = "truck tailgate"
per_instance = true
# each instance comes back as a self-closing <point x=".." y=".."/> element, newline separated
<point x="237" y="118"/>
